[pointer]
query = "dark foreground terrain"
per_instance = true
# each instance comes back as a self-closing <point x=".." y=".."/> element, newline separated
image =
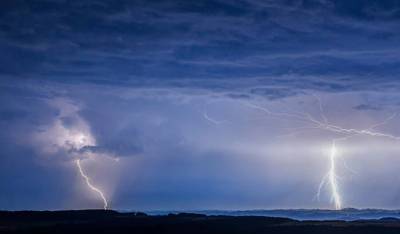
<point x="96" y="221"/>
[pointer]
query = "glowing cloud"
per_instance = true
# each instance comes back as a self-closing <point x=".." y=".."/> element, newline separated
<point x="69" y="134"/>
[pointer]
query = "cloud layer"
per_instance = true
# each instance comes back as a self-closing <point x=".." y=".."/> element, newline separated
<point x="326" y="45"/>
<point x="165" y="87"/>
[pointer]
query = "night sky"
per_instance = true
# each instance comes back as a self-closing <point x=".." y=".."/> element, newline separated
<point x="208" y="104"/>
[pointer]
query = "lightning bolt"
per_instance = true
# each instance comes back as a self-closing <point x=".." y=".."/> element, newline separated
<point x="89" y="184"/>
<point x="333" y="177"/>
<point x="213" y="121"/>
<point x="324" y="124"/>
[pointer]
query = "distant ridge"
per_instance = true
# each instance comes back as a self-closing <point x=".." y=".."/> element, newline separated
<point x="347" y="214"/>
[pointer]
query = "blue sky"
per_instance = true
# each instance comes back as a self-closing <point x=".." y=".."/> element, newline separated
<point x="161" y="92"/>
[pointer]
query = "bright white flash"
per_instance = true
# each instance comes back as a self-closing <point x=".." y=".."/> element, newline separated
<point x="322" y="123"/>
<point x="90" y="185"/>
<point x="333" y="177"/>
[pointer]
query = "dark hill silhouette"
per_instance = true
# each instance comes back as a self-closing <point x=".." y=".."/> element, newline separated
<point x="100" y="221"/>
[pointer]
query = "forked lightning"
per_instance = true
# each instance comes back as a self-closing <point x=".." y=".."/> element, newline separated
<point x="331" y="176"/>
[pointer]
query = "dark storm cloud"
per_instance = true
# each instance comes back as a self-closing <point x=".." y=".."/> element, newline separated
<point x="121" y="149"/>
<point x="123" y="143"/>
<point x="367" y="107"/>
<point x="175" y="43"/>
<point x="138" y="77"/>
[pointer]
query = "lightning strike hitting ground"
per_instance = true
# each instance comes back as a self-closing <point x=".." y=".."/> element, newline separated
<point x="333" y="178"/>
<point x="324" y="124"/>
<point x="92" y="187"/>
